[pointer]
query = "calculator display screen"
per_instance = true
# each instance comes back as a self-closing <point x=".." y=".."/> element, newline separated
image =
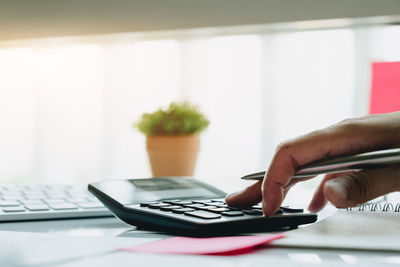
<point x="139" y="190"/>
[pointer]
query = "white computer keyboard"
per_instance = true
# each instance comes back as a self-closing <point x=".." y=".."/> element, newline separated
<point x="43" y="201"/>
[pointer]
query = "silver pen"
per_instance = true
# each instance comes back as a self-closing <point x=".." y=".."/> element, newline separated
<point x="374" y="159"/>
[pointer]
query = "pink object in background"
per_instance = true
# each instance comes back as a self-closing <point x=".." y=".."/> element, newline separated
<point x="227" y="246"/>
<point x="385" y="89"/>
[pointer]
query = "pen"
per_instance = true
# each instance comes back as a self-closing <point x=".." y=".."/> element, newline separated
<point x="356" y="162"/>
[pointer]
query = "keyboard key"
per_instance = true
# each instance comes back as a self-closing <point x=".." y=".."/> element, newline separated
<point x="55" y="201"/>
<point x="37" y="207"/>
<point x="77" y="200"/>
<point x="51" y="195"/>
<point x="158" y="205"/>
<point x="182" y="210"/>
<point x="253" y="212"/>
<point x="90" y="205"/>
<point x="34" y="196"/>
<point x="12" y="193"/>
<point x="169" y="208"/>
<point x="32" y="191"/>
<point x="31" y="201"/>
<point x="9" y="187"/>
<point x="203" y="214"/>
<point x="11" y="197"/>
<point x="232" y="213"/>
<point x="8" y="203"/>
<point x="14" y="209"/>
<point x="63" y="206"/>
<point x="76" y="196"/>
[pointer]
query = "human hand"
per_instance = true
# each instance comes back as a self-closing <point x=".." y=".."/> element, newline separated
<point x="343" y="190"/>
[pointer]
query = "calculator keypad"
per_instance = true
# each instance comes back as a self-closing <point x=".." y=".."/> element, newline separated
<point x="207" y="209"/>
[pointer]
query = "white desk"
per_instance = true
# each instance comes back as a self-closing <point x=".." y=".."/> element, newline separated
<point x="95" y="242"/>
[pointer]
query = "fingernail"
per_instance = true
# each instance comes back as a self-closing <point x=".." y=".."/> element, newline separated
<point x="229" y="197"/>
<point x="314" y="206"/>
<point x="311" y="208"/>
<point x="266" y="209"/>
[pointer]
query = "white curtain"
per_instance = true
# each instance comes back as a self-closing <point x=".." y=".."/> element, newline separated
<point x="67" y="105"/>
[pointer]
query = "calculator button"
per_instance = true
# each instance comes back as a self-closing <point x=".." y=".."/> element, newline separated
<point x="182" y="210"/>
<point x="253" y="212"/>
<point x="207" y="207"/>
<point x="197" y="205"/>
<point x="218" y="210"/>
<point x="146" y="204"/>
<point x="171" y="201"/>
<point x="169" y="208"/>
<point x="181" y="202"/>
<point x="221" y="205"/>
<point x="202" y="201"/>
<point x="280" y="211"/>
<point x="158" y="205"/>
<point x="291" y="210"/>
<point x="203" y="214"/>
<point x="232" y="213"/>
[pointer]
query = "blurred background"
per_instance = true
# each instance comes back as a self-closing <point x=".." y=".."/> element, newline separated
<point x="75" y="76"/>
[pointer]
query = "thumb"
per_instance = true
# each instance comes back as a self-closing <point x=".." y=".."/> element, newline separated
<point x="360" y="187"/>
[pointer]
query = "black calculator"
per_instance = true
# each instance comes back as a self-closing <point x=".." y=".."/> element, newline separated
<point x="189" y="207"/>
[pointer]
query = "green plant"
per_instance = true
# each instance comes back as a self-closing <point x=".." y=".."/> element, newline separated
<point x="177" y="119"/>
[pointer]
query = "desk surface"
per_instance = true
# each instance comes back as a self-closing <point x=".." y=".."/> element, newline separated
<point x="95" y="242"/>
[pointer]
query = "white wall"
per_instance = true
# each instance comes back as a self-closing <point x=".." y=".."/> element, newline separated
<point x="67" y="105"/>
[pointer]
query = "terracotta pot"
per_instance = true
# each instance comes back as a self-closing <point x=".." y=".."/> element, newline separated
<point x="173" y="155"/>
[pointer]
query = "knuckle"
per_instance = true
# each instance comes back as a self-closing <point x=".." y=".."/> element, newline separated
<point x="349" y="125"/>
<point x="283" y="146"/>
<point x="358" y="188"/>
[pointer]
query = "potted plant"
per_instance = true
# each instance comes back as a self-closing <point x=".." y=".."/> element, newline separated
<point x="172" y="140"/>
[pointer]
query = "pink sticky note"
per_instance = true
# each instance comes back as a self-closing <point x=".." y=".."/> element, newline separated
<point x="385" y="88"/>
<point x="229" y="245"/>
